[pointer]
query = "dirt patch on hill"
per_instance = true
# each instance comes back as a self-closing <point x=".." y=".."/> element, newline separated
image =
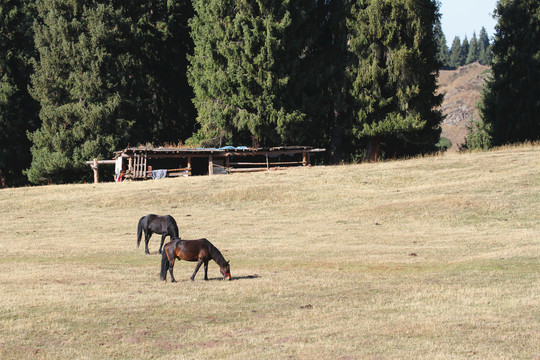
<point x="462" y="90"/>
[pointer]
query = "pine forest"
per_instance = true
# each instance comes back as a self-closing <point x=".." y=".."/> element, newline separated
<point x="81" y="79"/>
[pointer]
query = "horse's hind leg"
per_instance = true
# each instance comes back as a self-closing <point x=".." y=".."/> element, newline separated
<point x="162" y="241"/>
<point x="171" y="266"/>
<point x="147" y="236"/>
<point x="196" y="269"/>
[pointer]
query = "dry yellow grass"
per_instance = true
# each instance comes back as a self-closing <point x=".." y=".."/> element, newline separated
<point x="431" y="258"/>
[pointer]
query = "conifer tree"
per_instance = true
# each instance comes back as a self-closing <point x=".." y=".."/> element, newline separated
<point x="455" y="53"/>
<point x="240" y="70"/>
<point x="443" y="52"/>
<point x="18" y="111"/>
<point x="317" y="87"/>
<point x="464" y="51"/>
<point x="75" y="88"/>
<point x="510" y="104"/>
<point x="474" y="50"/>
<point x="484" y="47"/>
<point x="393" y="75"/>
<point x="109" y="74"/>
<point x="153" y="86"/>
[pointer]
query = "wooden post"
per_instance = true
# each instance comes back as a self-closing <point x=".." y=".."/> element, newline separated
<point x="96" y="172"/>
<point x="304" y="158"/>
<point x="136" y="162"/>
<point x="210" y="165"/>
<point x="267" y="165"/>
<point x="144" y="170"/>
<point x="189" y="165"/>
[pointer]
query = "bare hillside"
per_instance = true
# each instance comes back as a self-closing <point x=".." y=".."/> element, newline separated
<point x="462" y="89"/>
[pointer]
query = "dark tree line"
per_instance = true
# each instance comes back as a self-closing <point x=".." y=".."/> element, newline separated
<point x="79" y="79"/>
<point x="107" y="74"/>
<point x="477" y="49"/>
<point x="357" y="77"/>
<point x="101" y="75"/>
<point x="18" y="110"/>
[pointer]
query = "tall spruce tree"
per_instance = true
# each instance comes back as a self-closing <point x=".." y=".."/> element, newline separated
<point x="156" y="97"/>
<point x="484" y="46"/>
<point x="443" y="51"/>
<point x="317" y="86"/>
<point x="510" y="102"/>
<point x="474" y="50"/>
<point x="454" y="60"/>
<point x="18" y="110"/>
<point x="464" y="51"/>
<point x="240" y="70"/>
<point x="75" y="88"/>
<point x="393" y="75"/>
<point x="109" y="74"/>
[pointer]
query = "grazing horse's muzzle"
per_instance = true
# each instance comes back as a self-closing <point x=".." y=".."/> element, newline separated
<point x="226" y="271"/>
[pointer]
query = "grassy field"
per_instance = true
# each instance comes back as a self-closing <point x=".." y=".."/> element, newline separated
<point x="429" y="258"/>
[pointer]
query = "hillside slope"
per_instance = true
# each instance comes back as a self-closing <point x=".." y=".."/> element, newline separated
<point x="462" y="90"/>
<point x="435" y="257"/>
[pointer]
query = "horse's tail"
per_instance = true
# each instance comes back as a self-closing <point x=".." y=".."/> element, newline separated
<point x="139" y="231"/>
<point x="164" y="265"/>
<point x="173" y="228"/>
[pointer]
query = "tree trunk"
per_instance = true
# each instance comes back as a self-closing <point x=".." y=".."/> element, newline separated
<point x="335" y="141"/>
<point x="373" y="154"/>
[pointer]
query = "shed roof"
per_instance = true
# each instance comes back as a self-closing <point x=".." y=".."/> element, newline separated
<point x="224" y="151"/>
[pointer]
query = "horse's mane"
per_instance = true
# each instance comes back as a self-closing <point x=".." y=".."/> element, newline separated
<point x="216" y="254"/>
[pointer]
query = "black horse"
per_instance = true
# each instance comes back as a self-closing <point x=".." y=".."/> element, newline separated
<point x="164" y="225"/>
<point x="200" y="250"/>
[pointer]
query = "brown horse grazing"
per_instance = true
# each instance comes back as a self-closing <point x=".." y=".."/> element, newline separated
<point x="200" y="250"/>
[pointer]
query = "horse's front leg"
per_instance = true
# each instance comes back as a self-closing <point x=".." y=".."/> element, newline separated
<point x="162" y="241"/>
<point x="199" y="263"/>
<point x="206" y="270"/>
<point x="147" y="236"/>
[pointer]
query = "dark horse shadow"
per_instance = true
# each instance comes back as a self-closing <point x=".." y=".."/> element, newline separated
<point x="233" y="278"/>
<point x="247" y="277"/>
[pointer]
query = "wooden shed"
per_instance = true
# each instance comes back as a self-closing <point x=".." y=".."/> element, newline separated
<point x="152" y="163"/>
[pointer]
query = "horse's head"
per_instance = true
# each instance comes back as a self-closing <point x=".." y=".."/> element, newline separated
<point x="226" y="271"/>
